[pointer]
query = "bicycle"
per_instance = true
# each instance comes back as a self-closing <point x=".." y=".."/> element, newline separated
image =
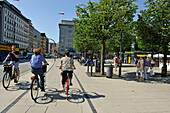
<point x="35" y="84"/>
<point x="9" y="75"/>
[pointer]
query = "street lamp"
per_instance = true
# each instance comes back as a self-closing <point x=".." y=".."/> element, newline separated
<point x="120" y="66"/>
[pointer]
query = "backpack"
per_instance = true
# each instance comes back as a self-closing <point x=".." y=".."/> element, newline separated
<point x="116" y="60"/>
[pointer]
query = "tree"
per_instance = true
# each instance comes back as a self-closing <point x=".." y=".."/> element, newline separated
<point x="82" y="41"/>
<point x="105" y="20"/>
<point x="153" y="27"/>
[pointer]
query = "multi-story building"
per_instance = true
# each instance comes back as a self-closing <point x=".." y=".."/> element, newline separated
<point x="47" y="45"/>
<point x="0" y="21"/>
<point x="14" y="26"/>
<point x="53" y="47"/>
<point x="37" y="39"/>
<point x="66" y="36"/>
<point x="31" y="37"/>
<point x="44" y="42"/>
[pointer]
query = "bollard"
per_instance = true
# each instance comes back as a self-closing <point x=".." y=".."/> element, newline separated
<point x="91" y="69"/>
<point x="97" y="66"/>
<point x="88" y="67"/>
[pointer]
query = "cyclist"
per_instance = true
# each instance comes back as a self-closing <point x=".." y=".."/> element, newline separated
<point x="68" y="65"/>
<point x="14" y="61"/>
<point x="36" y="65"/>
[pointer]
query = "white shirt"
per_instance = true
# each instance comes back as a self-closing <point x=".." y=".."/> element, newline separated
<point x="141" y="63"/>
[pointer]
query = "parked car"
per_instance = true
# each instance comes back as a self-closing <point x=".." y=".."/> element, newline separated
<point x="28" y="56"/>
<point x="74" y="57"/>
<point x="21" y="57"/>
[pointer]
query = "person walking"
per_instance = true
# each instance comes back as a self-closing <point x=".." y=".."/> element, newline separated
<point x="146" y="66"/>
<point x="115" y="62"/>
<point x="14" y="61"/>
<point x="139" y="66"/>
<point x="36" y="65"/>
<point x="153" y="62"/>
<point x="67" y="66"/>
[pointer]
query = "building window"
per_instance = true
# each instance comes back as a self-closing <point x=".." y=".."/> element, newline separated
<point x="70" y="31"/>
<point x="70" y="36"/>
<point x="62" y="40"/>
<point x="70" y="27"/>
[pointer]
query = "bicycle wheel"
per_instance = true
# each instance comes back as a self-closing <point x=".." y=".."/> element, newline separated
<point x="18" y="76"/>
<point x="6" y="80"/>
<point x="67" y="87"/>
<point x="34" y="89"/>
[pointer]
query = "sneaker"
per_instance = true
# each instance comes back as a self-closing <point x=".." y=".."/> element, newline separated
<point x="15" y="80"/>
<point x="71" y="84"/>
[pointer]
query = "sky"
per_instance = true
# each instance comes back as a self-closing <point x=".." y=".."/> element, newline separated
<point x="44" y="13"/>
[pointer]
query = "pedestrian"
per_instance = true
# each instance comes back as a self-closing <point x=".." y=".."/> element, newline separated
<point x="139" y="66"/>
<point x="125" y="59"/>
<point x="146" y="66"/>
<point x="36" y="65"/>
<point x="115" y="62"/>
<point x="67" y="66"/>
<point x="153" y="62"/>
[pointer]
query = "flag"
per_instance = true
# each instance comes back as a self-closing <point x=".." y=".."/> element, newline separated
<point x="78" y="14"/>
<point x="61" y="13"/>
<point x="16" y="0"/>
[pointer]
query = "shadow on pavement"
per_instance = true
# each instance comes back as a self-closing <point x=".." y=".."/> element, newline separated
<point x="21" y="85"/>
<point x="75" y="96"/>
<point x="151" y="79"/>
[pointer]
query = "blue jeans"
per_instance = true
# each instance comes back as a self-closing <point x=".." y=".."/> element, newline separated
<point x="16" y="64"/>
<point x="145" y="72"/>
<point x="39" y="72"/>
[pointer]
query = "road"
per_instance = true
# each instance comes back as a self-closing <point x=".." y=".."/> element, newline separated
<point x="24" y="67"/>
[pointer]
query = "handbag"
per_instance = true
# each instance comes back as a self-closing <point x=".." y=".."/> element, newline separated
<point x="152" y="72"/>
<point x="64" y="67"/>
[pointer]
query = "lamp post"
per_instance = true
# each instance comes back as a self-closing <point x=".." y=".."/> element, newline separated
<point x="120" y="66"/>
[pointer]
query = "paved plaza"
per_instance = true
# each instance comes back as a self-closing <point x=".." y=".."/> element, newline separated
<point x="89" y="94"/>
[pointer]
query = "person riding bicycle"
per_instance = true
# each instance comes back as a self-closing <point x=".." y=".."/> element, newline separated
<point x="36" y="65"/>
<point x="67" y="66"/>
<point x="14" y="61"/>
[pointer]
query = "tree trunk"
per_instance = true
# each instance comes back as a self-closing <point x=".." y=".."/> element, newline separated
<point x="83" y="52"/>
<point x="152" y="55"/>
<point x="164" y="68"/>
<point x="102" y="56"/>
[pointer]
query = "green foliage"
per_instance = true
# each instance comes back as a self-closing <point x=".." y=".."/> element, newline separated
<point x="153" y="26"/>
<point x="103" y="22"/>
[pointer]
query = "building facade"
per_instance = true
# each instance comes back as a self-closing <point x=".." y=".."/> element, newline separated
<point x="0" y="22"/>
<point x="14" y="26"/>
<point x="37" y="39"/>
<point x="44" y="42"/>
<point x="53" y="47"/>
<point x="31" y="37"/>
<point x="66" y="31"/>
